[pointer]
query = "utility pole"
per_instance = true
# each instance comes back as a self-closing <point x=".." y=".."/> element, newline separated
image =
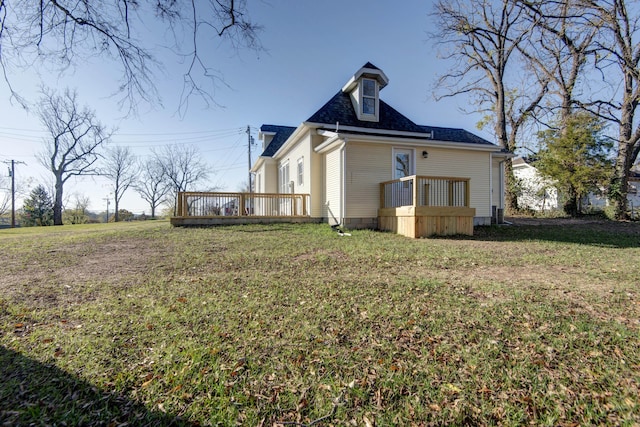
<point x="249" y="141"/>
<point x="12" y="174"/>
<point x="108" y="201"/>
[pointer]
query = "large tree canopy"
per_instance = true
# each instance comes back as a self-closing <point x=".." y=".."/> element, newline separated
<point x="575" y="156"/>
<point x="63" y="33"/>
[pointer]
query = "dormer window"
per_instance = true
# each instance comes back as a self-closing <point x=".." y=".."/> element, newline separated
<point x="369" y="97"/>
<point x="364" y="88"/>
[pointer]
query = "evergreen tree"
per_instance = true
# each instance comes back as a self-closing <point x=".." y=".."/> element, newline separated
<point x="38" y="208"/>
<point x="576" y="158"/>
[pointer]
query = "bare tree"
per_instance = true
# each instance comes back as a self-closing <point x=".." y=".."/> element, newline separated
<point x="120" y="166"/>
<point x="78" y="214"/>
<point x="182" y="167"/>
<point x="63" y="33"/>
<point x="481" y="38"/>
<point x="559" y="48"/>
<point x="76" y="137"/>
<point x="152" y="185"/>
<point x="619" y="59"/>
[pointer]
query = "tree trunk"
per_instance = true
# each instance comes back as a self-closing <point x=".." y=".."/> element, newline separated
<point x="116" y="216"/>
<point x="571" y="205"/>
<point x="57" y="203"/>
<point x="620" y="182"/>
<point x="511" y="192"/>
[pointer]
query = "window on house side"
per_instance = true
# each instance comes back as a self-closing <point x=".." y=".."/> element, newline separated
<point x="368" y="96"/>
<point x="283" y="177"/>
<point x="301" y="171"/>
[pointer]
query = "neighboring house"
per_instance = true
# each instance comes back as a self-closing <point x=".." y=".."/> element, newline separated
<point x="536" y="192"/>
<point x="343" y="152"/>
<point x="540" y="194"/>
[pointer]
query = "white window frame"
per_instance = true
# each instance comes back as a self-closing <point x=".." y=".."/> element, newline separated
<point x="300" y="171"/>
<point x="283" y="178"/>
<point x="373" y="97"/>
<point x="412" y="160"/>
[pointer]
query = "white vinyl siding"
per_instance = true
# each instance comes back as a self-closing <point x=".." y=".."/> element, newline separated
<point x="496" y="175"/>
<point x="367" y="166"/>
<point x="463" y="164"/>
<point x="332" y="196"/>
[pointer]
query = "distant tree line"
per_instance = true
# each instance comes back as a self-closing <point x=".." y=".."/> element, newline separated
<point x="79" y="145"/>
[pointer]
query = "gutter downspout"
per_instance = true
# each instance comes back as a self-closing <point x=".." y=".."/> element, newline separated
<point x="343" y="181"/>
<point x="501" y="169"/>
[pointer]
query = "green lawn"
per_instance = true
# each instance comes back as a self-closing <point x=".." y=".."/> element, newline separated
<point x="146" y="324"/>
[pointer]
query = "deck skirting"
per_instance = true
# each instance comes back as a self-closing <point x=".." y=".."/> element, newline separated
<point x="426" y="221"/>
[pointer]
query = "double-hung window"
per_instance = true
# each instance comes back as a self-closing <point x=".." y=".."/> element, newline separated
<point x="300" y="171"/>
<point x="283" y="178"/>
<point x="369" y="97"/>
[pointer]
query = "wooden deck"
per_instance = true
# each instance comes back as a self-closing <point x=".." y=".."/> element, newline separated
<point x="218" y="208"/>
<point x="423" y="206"/>
<point x="414" y="206"/>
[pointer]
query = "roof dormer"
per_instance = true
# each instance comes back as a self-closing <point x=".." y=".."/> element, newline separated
<point x="364" y="88"/>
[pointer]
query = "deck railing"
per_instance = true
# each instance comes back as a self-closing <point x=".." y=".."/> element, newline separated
<point x="217" y="204"/>
<point x="425" y="191"/>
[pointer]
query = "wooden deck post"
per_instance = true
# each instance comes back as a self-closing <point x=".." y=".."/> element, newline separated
<point x="414" y="196"/>
<point x="467" y="194"/>
<point x="179" y="207"/>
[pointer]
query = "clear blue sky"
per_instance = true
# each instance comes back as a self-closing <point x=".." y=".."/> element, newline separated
<point x="311" y="50"/>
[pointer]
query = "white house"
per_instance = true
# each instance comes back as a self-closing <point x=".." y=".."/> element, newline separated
<point x="537" y="193"/>
<point x="362" y="163"/>
<point x="540" y="194"/>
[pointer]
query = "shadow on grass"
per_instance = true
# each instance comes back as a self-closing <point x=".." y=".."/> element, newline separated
<point x="608" y="234"/>
<point x="32" y="393"/>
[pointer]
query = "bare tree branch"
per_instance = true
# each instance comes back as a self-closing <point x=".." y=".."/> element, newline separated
<point x="63" y="33"/>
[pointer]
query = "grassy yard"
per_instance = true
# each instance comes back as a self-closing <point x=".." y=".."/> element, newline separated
<point x="144" y="324"/>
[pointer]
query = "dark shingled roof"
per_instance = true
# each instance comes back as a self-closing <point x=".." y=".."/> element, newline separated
<point x="340" y="109"/>
<point x="454" y="135"/>
<point x="282" y="133"/>
<point x="371" y="66"/>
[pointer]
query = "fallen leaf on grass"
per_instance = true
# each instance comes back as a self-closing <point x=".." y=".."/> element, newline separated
<point x="149" y="378"/>
<point x="452" y="388"/>
<point x="367" y="422"/>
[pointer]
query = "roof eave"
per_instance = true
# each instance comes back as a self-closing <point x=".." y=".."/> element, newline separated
<point x="293" y="137"/>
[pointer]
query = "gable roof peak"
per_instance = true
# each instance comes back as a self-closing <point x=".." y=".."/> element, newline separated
<point x="370" y="71"/>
